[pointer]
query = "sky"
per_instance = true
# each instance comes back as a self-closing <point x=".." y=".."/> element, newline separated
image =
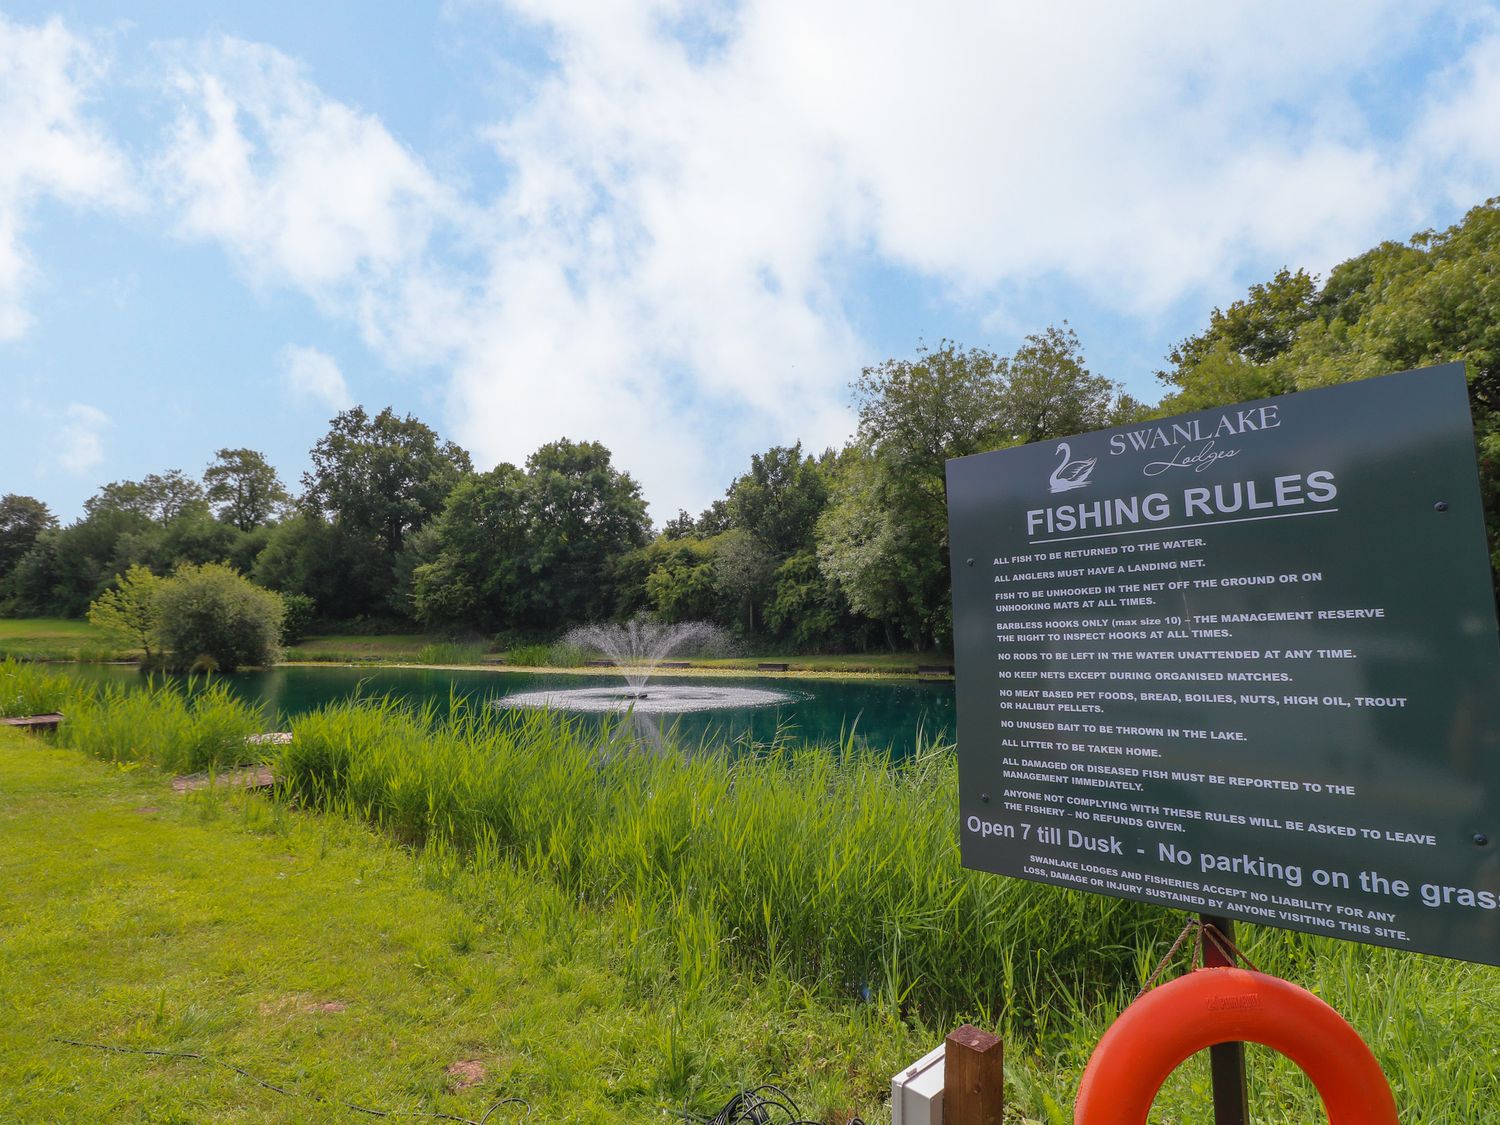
<point x="680" y="229"/>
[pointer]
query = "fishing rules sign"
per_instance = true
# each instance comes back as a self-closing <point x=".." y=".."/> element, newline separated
<point x="1241" y="662"/>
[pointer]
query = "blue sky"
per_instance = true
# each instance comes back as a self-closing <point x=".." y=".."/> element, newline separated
<point x="680" y="229"/>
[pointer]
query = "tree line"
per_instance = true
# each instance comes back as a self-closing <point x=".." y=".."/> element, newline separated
<point x="843" y="549"/>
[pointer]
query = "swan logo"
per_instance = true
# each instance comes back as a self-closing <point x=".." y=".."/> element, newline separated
<point x="1070" y="474"/>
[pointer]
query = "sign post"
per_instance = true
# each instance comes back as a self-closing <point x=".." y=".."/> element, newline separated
<point x="1242" y="663"/>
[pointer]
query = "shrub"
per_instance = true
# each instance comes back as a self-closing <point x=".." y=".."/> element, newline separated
<point x="298" y="619"/>
<point x="212" y="611"/>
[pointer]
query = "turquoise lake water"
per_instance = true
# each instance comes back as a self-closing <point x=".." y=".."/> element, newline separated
<point x="887" y="713"/>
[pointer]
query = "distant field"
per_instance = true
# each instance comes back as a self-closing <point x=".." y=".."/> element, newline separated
<point x="53" y="638"/>
<point x="56" y="638"/>
<point x="402" y="648"/>
<point x="889" y="663"/>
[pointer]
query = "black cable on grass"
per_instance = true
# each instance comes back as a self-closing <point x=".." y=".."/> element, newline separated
<point x="433" y="1115"/>
<point x="764" y="1105"/>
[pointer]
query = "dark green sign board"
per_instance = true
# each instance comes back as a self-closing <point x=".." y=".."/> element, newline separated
<point x="1242" y="662"/>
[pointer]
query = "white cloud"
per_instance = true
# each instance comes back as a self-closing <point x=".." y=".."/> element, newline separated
<point x="311" y="374"/>
<point x="80" y="440"/>
<point x="667" y="268"/>
<point x="301" y="188"/>
<point x="50" y="147"/>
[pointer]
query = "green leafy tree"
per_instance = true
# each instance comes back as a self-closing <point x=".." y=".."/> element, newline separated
<point x="808" y="611"/>
<point x="1432" y="300"/>
<point x="158" y="498"/>
<point x="243" y="488"/>
<point x="376" y="480"/>
<point x="1050" y="393"/>
<point x="211" y="616"/>
<point x="128" y="612"/>
<point x="305" y="554"/>
<point x="22" y="520"/>
<point x="680" y="582"/>
<point x="742" y="568"/>
<point x="780" y="499"/>
<point x="1256" y="328"/>
<point x="381" y="478"/>
<point x="584" y="513"/>
<point x="883" y="543"/>
<point x="482" y="542"/>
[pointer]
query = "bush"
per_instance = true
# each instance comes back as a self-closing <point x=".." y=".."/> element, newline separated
<point x="212" y="611"/>
<point x="298" y="619"/>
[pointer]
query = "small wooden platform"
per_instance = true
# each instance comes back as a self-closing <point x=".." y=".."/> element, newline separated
<point x="771" y="667"/>
<point x="934" y="669"/>
<point x="599" y="663"/>
<point x="246" y="777"/>
<point x="34" y="722"/>
<point x="674" y="664"/>
<point x="270" y="738"/>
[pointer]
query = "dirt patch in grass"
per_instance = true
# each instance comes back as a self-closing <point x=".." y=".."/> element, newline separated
<point x="465" y="1074"/>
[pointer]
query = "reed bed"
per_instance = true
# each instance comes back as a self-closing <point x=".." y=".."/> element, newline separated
<point x="202" y="727"/>
<point x="26" y="689"/>
<point x="835" y="865"/>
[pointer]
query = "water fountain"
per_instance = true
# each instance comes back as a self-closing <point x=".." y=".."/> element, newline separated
<point x="638" y="649"/>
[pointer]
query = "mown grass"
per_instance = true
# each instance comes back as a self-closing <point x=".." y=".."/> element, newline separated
<point x="56" y="638"/>
<point x="317" y="955"/>
<point x="387" y="648"/>
<point x="833" y="864"/>
<point x="831" y="876"/>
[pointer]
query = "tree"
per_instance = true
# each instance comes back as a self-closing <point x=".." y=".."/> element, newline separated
<point x="158" y="498"/>
<point x="807" y="609"/>
<point x="1049" y="393"/>
<point x="533" y="550"/>
<point x="1434" y="299"/>
<point x="22" y="520"/>
<point x="779" y="500"/>
<point x="884" y="545"/>
<point x="944" y="403"/>
<point x="128" y="612"/>
<point x="382" y="477"/>
<point x="481" y="544"/>
<point x="305" y="554"/>
<point x="377" y="480"/>
<point x="243" y="488"/>
<point x="583" y="513"/>
<point x="680" y="581"/>
<point x="1257" y="328"/>
<point x="211" y="616"/>
<point x="742" y="568"/>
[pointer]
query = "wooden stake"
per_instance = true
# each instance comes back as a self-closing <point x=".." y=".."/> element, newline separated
<point x="1226" y="1061"/>
<point x="973" y="1077"/>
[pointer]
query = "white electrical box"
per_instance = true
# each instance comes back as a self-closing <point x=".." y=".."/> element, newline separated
<point x="917" y="1092"/>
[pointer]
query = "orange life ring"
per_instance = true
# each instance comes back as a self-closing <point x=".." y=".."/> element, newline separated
<point x="1163" y="1028"/>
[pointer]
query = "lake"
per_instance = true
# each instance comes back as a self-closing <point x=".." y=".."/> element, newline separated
<point x="890" y="713"/>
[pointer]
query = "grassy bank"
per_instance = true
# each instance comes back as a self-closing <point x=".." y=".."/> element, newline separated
<point x="60" y="639"/>
<point x="57" y="638"/>
<point x="317" y="955"/>
<point x="829" y="876"/>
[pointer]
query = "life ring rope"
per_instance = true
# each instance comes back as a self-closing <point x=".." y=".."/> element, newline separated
<point x="1174" y="1021"/>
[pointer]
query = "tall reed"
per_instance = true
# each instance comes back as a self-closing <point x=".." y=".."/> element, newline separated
<point x="201" y="727"/>
<point x="26" y="689"/>
<point x="835" y="864"/>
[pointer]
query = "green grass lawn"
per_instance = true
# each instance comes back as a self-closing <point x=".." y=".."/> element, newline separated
<point x="56" y="638"/>
<point x="318" y="956"/>
<point x="389" y="648"/>
<point x="49" y="638"/>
